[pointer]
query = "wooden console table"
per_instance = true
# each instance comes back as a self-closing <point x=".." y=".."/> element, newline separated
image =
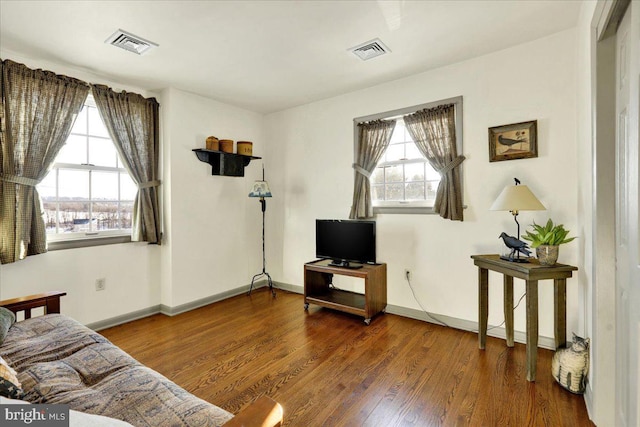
<point x="530" y="273"/>
<point x="318" y="277"/>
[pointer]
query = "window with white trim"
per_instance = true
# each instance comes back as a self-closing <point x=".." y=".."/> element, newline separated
<point x="403" y="180"/>
<point x="403" y="175"/>
<point x="87" y="193"/>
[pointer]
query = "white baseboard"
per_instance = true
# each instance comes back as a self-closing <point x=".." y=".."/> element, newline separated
<point x="465" y="325"/>
<point x="125" y="318"/>
<point x="171" y="311"/>
<point x="290" y="288"/>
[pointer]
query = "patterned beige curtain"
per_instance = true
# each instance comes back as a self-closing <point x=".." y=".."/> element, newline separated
<point x="373" y="140"/>
<point x="37" y="112"/>
<point x="132" y="122"/>
<point x="434" y="132"/>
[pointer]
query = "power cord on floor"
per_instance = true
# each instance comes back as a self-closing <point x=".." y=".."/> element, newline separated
<point x="429" y="315"/>
<point x="514" y="309"/>
<point x="442" y="322"/>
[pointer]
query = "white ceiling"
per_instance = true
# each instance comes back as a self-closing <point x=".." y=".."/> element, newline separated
<point x="271" y="55"/>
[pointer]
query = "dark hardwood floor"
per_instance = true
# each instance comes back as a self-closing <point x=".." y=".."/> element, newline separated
<point x="327" y="368"/>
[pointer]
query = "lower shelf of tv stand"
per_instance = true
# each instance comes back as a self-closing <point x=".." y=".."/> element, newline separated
<point x="349" y="302"/>
<point x="318" y="277"/>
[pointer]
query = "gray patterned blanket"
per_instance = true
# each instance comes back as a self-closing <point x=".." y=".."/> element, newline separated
<point x="58" y="360"/>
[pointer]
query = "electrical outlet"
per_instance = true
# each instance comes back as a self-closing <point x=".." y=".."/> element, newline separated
<point x="101" y="284"/>
<point x="407" y="274"/>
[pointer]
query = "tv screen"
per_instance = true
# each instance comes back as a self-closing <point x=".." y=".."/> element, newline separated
<point x="346" y="241"/>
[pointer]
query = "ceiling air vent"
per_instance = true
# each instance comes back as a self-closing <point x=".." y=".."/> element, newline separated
<point x="370" y="49"/>
<point x="128" y="41"/>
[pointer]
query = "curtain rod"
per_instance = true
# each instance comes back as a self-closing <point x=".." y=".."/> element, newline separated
<point x="407" y="110"/>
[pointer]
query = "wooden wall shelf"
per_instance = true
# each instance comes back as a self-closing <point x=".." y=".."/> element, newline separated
<point x="222" y="163"/>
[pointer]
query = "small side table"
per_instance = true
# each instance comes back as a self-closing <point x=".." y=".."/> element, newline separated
<point x="530" y="273"/>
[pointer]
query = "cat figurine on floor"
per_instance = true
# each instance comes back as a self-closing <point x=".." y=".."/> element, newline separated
<point x="570" y="366"/>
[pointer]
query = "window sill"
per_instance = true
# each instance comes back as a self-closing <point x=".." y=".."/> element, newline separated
<point x="406" y="210"/>
<point x="409" y="210"/>
<point x="58" y="245"/>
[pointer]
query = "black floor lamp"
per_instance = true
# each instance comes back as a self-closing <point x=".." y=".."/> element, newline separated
<point x="261" y="190"/>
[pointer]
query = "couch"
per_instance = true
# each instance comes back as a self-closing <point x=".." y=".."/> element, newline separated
<point x="60" y="361"/>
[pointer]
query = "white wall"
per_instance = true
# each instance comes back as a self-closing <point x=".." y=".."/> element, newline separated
<point x="129" y="270"/>
<point x="214" y="242"/>
<point x="311" y="151"/>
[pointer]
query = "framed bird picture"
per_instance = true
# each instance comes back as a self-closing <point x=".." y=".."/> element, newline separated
<point x="515" y="141"/>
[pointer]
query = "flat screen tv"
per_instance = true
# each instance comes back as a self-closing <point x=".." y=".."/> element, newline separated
<point x="346" y="242"/>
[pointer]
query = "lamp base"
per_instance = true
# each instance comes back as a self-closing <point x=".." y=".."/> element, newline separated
<point x="269" y="281"/>
<point x="520" y="260"/>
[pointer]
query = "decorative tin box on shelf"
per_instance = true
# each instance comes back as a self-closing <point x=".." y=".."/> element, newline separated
<point x="226" y="145"/>
<point x="244" y="148"/>
<point x="213" y="143"/>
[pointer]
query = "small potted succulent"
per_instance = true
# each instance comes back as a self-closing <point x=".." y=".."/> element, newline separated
<point x="546" y="240"/>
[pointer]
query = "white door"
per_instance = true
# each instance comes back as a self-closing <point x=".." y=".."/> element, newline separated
<point x="627" y="242"/>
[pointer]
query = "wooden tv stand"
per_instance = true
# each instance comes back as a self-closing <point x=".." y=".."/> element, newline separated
<point x="318" y="276"/>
